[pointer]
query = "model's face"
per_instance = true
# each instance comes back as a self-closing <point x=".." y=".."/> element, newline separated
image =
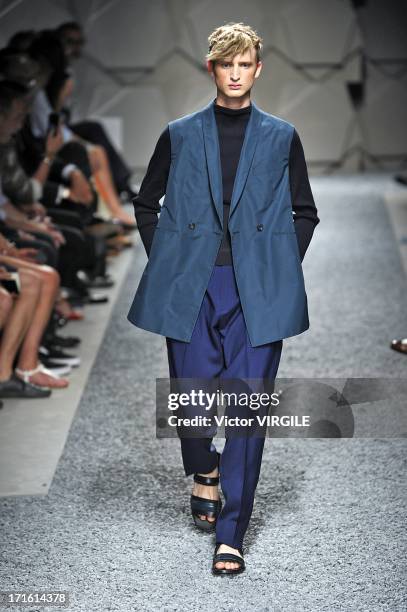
<point x="234" y="77"/>
<point x="12" y="122"/>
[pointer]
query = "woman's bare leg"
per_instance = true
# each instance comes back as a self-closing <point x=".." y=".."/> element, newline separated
<point x="49" y="287"/>
<point x="6" y="305"/>
<point x="28" y="358"/>
<point x="103" y="177"/>
<point x="18" y="321"/>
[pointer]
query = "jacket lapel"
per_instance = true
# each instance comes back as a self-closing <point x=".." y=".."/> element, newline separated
<point x="211" y="140"/>
<point x="246" y="155"/>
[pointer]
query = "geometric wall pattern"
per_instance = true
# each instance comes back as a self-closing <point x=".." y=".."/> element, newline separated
<point x="337" y="70"/>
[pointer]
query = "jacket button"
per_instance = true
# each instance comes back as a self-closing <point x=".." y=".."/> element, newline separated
<point x="260" y="227"/>
<point x="191" y="225"/>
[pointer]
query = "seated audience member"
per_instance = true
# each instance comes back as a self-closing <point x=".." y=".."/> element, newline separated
<point x="24" y="328"/>
<point x="53" y="246"/>
<point x="12" y="109"/>
<point x="47" y="50"/>
<point x="15" y="317"/>
<point x="73" y="40"/>
<point x="40" y="229"/>
<point x="65" y="186"/>
<point x="20" y="41"/>
<point x="12" y="112"/>
<point x="80" y="250"/>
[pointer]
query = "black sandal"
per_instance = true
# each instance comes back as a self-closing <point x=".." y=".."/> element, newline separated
<point x="227" y="557"/>
<point x="201" y="505"/>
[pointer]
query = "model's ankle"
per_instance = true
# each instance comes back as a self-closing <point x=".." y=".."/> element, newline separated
<point x="214" y="473"/>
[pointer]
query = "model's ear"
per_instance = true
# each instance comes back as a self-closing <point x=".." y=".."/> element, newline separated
<point x="209" y="65"/>
<point x="258" y="69"/>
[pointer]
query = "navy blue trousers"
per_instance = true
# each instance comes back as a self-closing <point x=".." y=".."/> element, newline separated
<point x="220" y="347"/>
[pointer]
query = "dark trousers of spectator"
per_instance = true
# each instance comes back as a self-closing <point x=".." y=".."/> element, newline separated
<point x="75" y="153"/>
<point x="94" y="248"/>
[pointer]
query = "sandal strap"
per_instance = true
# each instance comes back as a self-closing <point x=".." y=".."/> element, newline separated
<point x="209" y="480"/>
<point x="27" y="373"/>
<point x="40" y="368"/>
<point x="206" y="480"/>
<point x="218" y="544"/>
<point x="49" y="372"/>
<point x="228" y="557"/>
<point x="210" y="507"/>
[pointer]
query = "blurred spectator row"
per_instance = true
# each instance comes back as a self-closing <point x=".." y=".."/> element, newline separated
<point x="55" y="243"/>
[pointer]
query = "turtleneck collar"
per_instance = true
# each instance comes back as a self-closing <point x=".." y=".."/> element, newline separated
<point x="231" y="111"/>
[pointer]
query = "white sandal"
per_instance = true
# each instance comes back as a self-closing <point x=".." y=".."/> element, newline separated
<point x="25" y="375"/>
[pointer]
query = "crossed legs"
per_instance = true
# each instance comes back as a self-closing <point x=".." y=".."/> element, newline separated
<point x="28" y="319"/>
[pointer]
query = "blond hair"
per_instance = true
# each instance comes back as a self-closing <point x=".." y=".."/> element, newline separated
<point x="233" y="38"/>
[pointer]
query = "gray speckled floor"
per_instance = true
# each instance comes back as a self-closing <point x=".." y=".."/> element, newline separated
<point x="328" y="527"/>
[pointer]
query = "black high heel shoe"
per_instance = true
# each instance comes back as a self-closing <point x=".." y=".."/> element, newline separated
<point x="201" y="505"/>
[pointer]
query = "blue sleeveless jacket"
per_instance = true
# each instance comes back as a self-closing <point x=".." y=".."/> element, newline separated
<point x="188" y="235"/>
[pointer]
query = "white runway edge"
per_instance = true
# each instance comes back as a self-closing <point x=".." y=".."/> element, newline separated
<point x="33" y="432"/>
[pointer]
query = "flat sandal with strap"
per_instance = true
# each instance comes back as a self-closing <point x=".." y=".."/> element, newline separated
<point x="201" y="505"/>
<point x="25" y="375"/>
<point x="227" y="557"/>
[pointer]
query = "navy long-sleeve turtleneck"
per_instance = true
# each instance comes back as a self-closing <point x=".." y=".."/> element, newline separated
<point x="231" y="125"/>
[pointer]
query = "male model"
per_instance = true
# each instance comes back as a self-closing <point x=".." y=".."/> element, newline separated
<point x="224" y="281"/>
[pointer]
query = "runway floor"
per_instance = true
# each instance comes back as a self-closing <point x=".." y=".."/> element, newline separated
<point x="328" y="526"/>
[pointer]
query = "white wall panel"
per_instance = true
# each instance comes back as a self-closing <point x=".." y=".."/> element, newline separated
<point x="144" y="63"/>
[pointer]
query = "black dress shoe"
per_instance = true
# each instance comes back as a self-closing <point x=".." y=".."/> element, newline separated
<point x="15" y="387"/>
<point x="60" y="321"/>
<point x="59" y="368"/>
<point x="56" y="355"/>
<point x="399" y="345"/>
<point x="95" y="298"/>
<point x="61" y="341"/>
<point x="101" y="282"/>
